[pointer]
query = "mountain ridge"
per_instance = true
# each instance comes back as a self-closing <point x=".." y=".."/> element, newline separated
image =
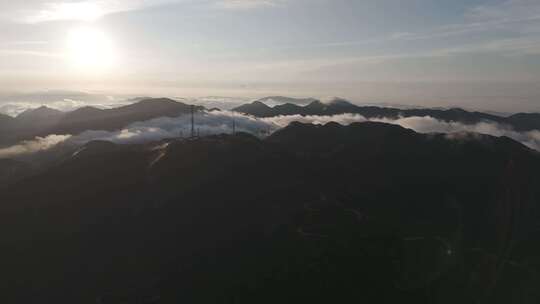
<point x="44" y="121"/>
<point x="265" y="213"/>
<point x="519" y="121"/>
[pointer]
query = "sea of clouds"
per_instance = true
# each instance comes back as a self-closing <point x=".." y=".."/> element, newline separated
<point x="219" y="122"/>
<point x="15" y="108"/>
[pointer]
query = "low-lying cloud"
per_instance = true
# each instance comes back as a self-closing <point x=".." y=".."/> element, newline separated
<point x="425" y="124"/>
<point x="285" y="120"/>
<point x="220" y="122"/>
<point x="207" y="123"/>
<point x="429" y="124"/>
<point x="66" y="105"/>
<point x="32" y="146"/>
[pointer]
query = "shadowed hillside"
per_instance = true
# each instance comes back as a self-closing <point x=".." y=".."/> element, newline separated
<point x="364" y="213"/>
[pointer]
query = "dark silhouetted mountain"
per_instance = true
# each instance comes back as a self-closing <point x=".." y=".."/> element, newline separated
<point x="39" y="114"/>
<point x="96" y="147"/>
<point x="525" y="121"/>
<point x="454" y="114"/>
<point x="256" y="108"/>
<point x="112" y="119"/>
<point x="521" y="122"/>
<point x="83" y="114"/>
<point x="340" y="102"/>
<point x="38" y="119"/>
<point x="282" y="99"/>
<point x="316" y="107"/>
<point x="6" y="121"/>
<point x="287" y="109"/>
<point x="12" y="171"/>
<point x="44" y="121"/>
<point x="313" y="214"/>
<point x="7" y="124"/>
<point x="314" y="139"/>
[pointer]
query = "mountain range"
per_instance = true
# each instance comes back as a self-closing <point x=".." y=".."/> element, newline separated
<point x="44" y="121"/>
<point x="520" y="121"/>
<point x="368" y="212"/>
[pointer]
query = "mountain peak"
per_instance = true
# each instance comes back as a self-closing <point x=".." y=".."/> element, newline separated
<point x="40" y="110"/>
<point x="256" y="108"/>
<point x="316" y="103"/>
<point x="40" y="113"/>
<point x="457" y="110"/>
<point x="153" y="104"/>
<point x="337" y="101"/>
<point x="86" y="109"/>
<point x="161" y="100"/>
<point x="278" y="100"/>
<point x="259" y="103"/>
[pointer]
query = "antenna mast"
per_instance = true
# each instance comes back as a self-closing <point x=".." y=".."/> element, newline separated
<point x="234" y="125"/>
<point x="192" y="121"/>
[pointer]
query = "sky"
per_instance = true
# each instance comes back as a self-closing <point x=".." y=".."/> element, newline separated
<point x="481" y="54"/>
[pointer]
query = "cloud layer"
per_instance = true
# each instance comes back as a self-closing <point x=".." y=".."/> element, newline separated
<point x="425" y="124"/>
<point x="219" y="122"/>
<point x="32" y="146"/>
<point x="207" y="123"/>
<point x="38" y="11"/>
<point x="431" y="125"/>
<point x="15" y="108"/>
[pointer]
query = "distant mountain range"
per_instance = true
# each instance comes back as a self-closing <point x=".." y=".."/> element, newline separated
<point x="369" y="212"/>
<point x="277" y="100"/>
<point x="520" y="122"/>
<point x="44" y="121"/>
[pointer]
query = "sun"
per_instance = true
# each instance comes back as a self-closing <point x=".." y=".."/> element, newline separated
<point x="91" y="50"/>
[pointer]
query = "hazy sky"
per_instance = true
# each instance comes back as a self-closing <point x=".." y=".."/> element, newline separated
<point x="477" y="53"/>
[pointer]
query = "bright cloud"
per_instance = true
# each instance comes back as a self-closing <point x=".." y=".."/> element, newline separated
<point x="32" y="146"/>
<point x="221" y="122"/>
<point x="90" y="10"/>
<point x="344" y="119"/>
<point x="247" y="4"/>
<point x="65" y="105"/>
<point x="425" y="124"/>
<point x="208" y="123"/>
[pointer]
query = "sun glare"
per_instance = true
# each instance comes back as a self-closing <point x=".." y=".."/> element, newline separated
<point x="91" y="50"/>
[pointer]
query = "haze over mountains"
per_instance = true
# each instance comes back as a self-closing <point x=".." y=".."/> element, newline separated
<point x="520" y="122"/>
<point x="256" y="117"/>
<point x="44" y="121"/>
<point x="269" y="151"/>
<point x="39" y="137"/>
<point x="124" y="205"/>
